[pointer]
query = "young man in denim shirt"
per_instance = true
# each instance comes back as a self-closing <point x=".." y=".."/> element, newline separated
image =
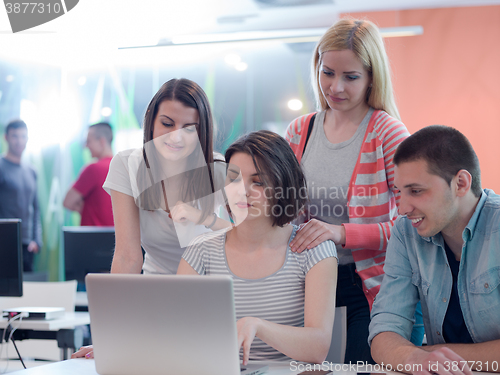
<point x="445" y="253"/>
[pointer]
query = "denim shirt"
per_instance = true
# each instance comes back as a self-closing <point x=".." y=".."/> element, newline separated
<point x="416" y="268"/>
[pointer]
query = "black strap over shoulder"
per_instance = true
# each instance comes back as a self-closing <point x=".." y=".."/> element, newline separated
<point x="309" y="130"/>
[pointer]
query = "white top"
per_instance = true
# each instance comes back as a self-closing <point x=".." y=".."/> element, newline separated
<point x="162" y="240"/>
<point x="278" y="298"/>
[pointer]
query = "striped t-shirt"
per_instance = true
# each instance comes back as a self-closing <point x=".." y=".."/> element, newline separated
<point x="278" y="298"/>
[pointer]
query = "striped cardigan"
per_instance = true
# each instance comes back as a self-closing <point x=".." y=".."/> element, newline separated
<point x="372" y="200"/>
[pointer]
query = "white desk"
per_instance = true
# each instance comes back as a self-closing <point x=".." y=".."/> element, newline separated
<point x="71" y="366"/>
<point x="69" y="320"/>
<point x="87" y="367"/>
<point x="62" y="330"/>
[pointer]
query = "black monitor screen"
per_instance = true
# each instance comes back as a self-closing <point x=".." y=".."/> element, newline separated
<point x="11" y="258"/>
<point x="87" y="250"/>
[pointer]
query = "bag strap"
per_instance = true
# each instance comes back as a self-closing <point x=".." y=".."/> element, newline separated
<point x="309" y="131"/>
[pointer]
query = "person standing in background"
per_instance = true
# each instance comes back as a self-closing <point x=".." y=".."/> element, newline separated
<point x="18" y="191"/>
<point x="87" y="196"/>
<point x="346" y="151"/>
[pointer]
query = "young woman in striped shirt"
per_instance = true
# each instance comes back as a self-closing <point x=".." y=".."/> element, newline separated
<point x="285" y="301"/>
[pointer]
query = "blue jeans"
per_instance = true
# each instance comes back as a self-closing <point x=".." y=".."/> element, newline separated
<point x="350" y="294"/>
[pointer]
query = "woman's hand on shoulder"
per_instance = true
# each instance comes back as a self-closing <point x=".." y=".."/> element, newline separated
<point x="314" y="232"/>
<point x="84" y="351"/>
<point x="247" y="330"/>
<point x="183" y="212"/>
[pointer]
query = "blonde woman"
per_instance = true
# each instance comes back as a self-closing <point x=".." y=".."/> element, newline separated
<point x="346" y="151"/>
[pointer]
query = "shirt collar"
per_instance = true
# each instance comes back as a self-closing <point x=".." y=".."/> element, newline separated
<point x="470" y="228"/>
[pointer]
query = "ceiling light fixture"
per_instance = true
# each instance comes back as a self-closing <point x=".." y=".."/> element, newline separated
<point x="287" y="36"/>
<point x="241" y="66"/>
<point x="295" y="104"/>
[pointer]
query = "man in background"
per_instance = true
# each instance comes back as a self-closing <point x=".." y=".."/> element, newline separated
<point x="87" y="196"/>
<point x="18" y="192"/>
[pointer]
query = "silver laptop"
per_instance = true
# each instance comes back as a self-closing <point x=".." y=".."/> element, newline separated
<point x="164" y="324"/>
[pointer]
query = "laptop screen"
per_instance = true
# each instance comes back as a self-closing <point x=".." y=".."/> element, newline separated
<point x="177" y="324"/>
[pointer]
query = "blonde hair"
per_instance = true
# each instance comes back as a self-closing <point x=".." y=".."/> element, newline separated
<point x="364" y="39"/>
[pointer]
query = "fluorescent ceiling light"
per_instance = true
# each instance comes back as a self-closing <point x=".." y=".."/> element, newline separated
<point x="389" y="32"/>
<point x="287" y="36"/>
<point x="247" y="36"/>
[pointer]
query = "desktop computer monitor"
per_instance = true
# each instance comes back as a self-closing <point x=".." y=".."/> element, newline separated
<point x="87" y="250"/>
<point x="11" y="258"/>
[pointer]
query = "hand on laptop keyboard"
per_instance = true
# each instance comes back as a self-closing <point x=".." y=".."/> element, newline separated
<point x="247" y="330"/>
<point x="84" y="351"/>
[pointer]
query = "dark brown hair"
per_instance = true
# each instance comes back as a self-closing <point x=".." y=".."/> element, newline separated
<point x="446" y="152"/>
<point x="278" y="169"/>
<point x="191" y="95"/>
<point x="15" y="124"/>
<point x="103" y="130"/>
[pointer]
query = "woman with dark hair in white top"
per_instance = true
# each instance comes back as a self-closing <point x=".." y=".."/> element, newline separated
<point x="165" y="193"/>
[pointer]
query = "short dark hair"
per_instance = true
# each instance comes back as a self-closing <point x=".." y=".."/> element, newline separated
<point x="15" y="124"/>
<point x="278" y="168"/>
<point x="103" y="130"/>
<point x="446" y="152"/>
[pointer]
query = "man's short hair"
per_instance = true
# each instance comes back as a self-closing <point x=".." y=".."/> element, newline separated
<point x="15" y="124"/>
<point x="103" y="129"/>
<point x="446" y="152"/>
